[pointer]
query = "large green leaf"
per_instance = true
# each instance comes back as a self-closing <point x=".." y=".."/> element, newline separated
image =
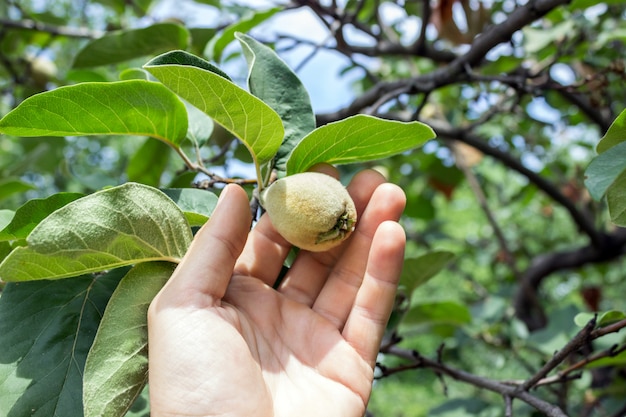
<point x="117" y="365"/>
<point x="125" y="45"/>
<point x="47" y="328"/>
<point x="134" y="107"/>
<point x="217" y="44"/>
<point x="119" y="226"/>
<point x="277" y="85"/>
<point x="32" y="212"/>
<point x="241" y="113"/>
<point x="356" y="139"/>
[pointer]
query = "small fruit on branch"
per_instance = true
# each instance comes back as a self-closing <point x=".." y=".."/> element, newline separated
<point x="312" y="211"/>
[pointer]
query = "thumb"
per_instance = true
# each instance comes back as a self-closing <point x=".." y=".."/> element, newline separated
<point x="205" y="271"/>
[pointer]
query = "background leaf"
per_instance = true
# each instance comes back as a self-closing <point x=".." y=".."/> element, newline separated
<point x="119" y="226"/>
<point x="10" y="186"/>
<point x="197" y="204"/>
<point x="241" y="113"/>
<point x="356" y="139"/>
<point x="134" y="74"/>
<point x="417" y="271"/>
<point x="148" y="163"/>
<point x="117" y="365"/>
<point x="32" y="212"/>
<point x="438" y="312"/>
<point x="217" y="44"/>
<point x="134" y="107"/>
<point x="277" y="85"/>
<point x="125" y="45"/>
<point x="6" y="216"/>
<point x="47" y="329"/>
<point x="604" y="318"/>
<point x="200" y="126"/>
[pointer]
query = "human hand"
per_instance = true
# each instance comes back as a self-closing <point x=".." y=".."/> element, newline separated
<point x="223" y="342"/>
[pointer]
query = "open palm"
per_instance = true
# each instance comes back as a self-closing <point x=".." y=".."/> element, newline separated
<point x="223" y="342"/>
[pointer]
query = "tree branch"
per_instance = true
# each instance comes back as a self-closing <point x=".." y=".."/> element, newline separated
<point x="585" y="224"/>
<point x="455" y="70"/>
<point x="612" y="245"/>
<point x="418" y="361"/>
<point x="67" y="31"/>
<point x="513" y="389"/>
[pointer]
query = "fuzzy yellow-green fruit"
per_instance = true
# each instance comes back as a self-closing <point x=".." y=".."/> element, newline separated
<point x="312" y="211"/>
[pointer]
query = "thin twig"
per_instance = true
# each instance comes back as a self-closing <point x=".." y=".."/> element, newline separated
<point x="611" y="328"/>
<point x="608" y="353"/>
<point x="484" y="205"/>
<point x="508" y="406"/>
<point x="582" y="337"/>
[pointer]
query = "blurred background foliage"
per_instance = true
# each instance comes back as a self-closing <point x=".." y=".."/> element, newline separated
<point x="519" y="93"/>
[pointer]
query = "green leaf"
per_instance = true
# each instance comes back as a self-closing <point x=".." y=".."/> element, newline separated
<point x="198" y="205"/>
<point x="604" y="318"/>
<point x="200" y="126"/>
<point x="417" y="271"/>
<point x="438" y="312"/>
<point x="615" y="134"/>
<point x="241" y="113"/>
<point x="148" y="163"/>
<point x="200" y="37"/>
<point x="47" y="329"/>
<point x="277" y="85"/>
<point x="358" y="138"/>
<point x="125" y="45"/>
<point x="134" y="74"/>
<point x="137" y="7"/>
<point x="10" y="186"/>
<point x="218" y="43"/>
<point x="32" y="212"/>
<point x="141" y="406"/>
<point x="604" y="170"/>
<point x="6" y="216"/>
<point x="616" y="200"/>
<point x="538" y="39"/>
<point x="117" y="365"/>
<point x="187" y="59"/>
<point x="134" y="107"/>
<point x="119" y="226"/>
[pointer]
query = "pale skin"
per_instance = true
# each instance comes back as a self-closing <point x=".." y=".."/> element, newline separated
<point x="223" y="342"/>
